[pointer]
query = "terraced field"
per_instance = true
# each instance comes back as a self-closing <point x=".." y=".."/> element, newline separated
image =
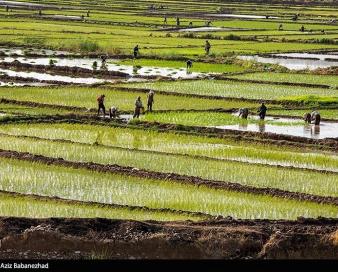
<point x="190" y="162"/>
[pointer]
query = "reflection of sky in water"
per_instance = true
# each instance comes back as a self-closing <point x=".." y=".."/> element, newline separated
<point x="128" y="69"/>
<point x="296" y="64"/>
<point x="21" y="51"/>
<point x="48" y="77"/>
<point x="324" y="130"/>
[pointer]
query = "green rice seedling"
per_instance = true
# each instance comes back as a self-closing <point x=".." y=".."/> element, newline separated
<point x="295" y="180"/>
<point x="171" y="142"/>
<point x="84" y="185"/>
<point x="32" y="207"/>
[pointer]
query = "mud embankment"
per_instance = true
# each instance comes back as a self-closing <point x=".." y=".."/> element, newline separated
<point x="184" y="179"/>
<point x="125" y="239"/>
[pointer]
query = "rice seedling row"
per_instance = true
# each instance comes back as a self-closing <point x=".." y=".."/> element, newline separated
<point x="293" y="180"/>
<point x="169" y="142"/>
<point x="83" y="185"/>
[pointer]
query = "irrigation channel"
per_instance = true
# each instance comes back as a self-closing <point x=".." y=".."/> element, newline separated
<point x="298" y="61"/>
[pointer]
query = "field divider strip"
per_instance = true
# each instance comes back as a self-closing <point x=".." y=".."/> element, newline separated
<point x="103" y="205"/>
<point x="184" y="155"/>
<point x="182" y="179"/>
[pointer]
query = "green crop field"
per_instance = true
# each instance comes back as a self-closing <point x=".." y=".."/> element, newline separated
<point x="189" y="157"/>
<point x="240" y="90"/>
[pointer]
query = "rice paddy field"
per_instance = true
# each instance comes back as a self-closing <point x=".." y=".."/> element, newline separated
<point x="191" y="157"/>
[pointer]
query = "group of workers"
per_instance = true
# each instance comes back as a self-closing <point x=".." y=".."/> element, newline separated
<point x="313" y="117"/>
<point x="113" y="111"/>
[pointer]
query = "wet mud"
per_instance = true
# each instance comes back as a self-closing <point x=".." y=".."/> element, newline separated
<point x="58" y="238"/>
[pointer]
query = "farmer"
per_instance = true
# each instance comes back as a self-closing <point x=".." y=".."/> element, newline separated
<point x="243" y="113"/>
<point x="190" y="24"/>
<point x="88" y="13"/>
<point x="7" y="8"/>
<point x="302" y="29"/>
<point x="307" y="118"/>
<point x="178" y="21"/>
<point x="100" y="101"/>
<point x="207" y="47"/>
<point x="40" y="12"/>
<point x="136" y="51"/>
<point x="150" y="101"/>
<point x="138" y="107"/>
<point x="189" y="64"/>
<point x="315" y="116"/>
<point x="262" y="111"/>
<point x="165" y="20"/>
<point x="103" y="59"/>
<point x="208" y="23"/>
<point x="280" y="27"/>
<point x="113" y="112"/>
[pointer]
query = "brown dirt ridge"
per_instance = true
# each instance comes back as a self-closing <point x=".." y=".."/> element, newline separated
<point x="125" y="239"/>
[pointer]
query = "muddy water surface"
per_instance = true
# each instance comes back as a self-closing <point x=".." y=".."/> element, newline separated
<point x="296" y="64"/>
<point x="324" y="130"/>
<point x="111" y="65"/>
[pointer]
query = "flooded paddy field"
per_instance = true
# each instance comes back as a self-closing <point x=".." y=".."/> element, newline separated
<point x="119" y="120"/>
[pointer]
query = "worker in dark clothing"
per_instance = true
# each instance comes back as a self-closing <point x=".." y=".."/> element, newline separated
<point x="207" y="47"/>
<point x="150" y="101"/>
<point x="307" y="118"/>
<point x="280" y="27"/>
<point x="302" y="29"/>
<point x="88" y="13"/>
<point x="178" y="21"/>
<point x="189" y="64"/>
<point x="138" y="107"/>
<point x="40" y="12"/>
<point x="262" y="111"/>
<point x="136" y="51"/>
<point x="103" y="59"/>
<point x="7" y="8"/>
<point x="190" y="24"/>
<point x="243" y="113"/>
<point x="165" y="20"/>
<point x="100" y="101"/>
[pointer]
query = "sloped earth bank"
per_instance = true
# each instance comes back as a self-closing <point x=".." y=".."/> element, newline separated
<point x="123" y="239"/>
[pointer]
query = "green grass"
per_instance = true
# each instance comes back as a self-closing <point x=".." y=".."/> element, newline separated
<point x="208" y="119"/>
<point x="85" y="185"/>
<point x="295" y="180"/>
<point x="27" y="110"/>
<point x="329" y="80"/>
<point x="26" y="206"/>
<point x="86" y="97"/>
<point x="238" y="89"/>
<point x="171" y="142"/>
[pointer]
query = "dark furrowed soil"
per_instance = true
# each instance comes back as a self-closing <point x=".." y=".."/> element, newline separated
<point x="57" y="238"/>
<point x="184" y="179"/>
